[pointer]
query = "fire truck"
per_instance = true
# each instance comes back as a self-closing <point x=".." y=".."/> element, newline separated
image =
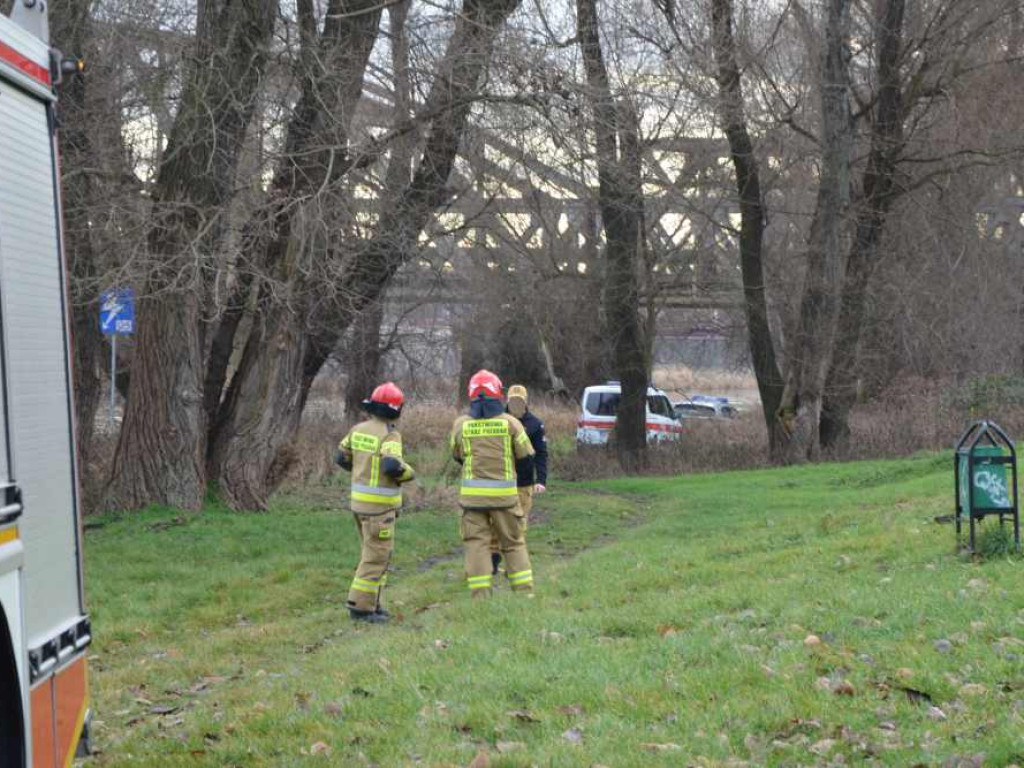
<point x="44" y="630"/>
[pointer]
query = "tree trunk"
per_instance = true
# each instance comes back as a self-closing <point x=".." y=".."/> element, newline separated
<point x="364" y="355"/>
<point x="71" y="31"/>
<point x="362" y="358"/>
<point x="878" y="193"/>
<point x="620" y="199"/>
<point x="160" y="457"/>
<point x="800" y="408"/>
<point x="752" y="218"/>
<point x="330" y="68"/>
<point x="260" y="426"/>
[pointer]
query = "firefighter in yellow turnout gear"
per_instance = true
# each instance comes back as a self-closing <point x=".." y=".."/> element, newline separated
<point x="372" y="451"/>
<point x="487" y="443"/>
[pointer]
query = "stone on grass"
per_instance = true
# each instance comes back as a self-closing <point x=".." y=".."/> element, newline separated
<point x="573" y="736"/>
<point x="943" y="646"/>
<point x="823" y="747"/>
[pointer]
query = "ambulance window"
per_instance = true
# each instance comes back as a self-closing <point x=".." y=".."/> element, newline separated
<point x="603" y="403"/>
<point x="660" y="406"/>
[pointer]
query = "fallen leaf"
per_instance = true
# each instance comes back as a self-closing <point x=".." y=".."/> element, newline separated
<point x="333" y="708"/>
<point x="320" y="748"/>
<point x="163" y="709"/>
<point x="812" y="640"/>
<point x="668" y="630"/>
<point x="652" y="747"/>
<point x="904" y="673"/>
<point x="441" y="645"/>
<point x="573" y="710"/>
<point x="504" y="747"/>
<point x="429" y="607"/>
<point x="573" y="736"/>
<point x="522" y="716"/>
<point x="936" y="714"/>
<point x="844" y="688"/>
<point x="481" y="761"/>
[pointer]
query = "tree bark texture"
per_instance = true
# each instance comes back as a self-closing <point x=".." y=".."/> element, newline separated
<point x="274" y="378"/>
<point x="160" y="457"/>
<point x="800" y="408"/>
<point x="330" y="70"/>
<point x="620" y="199"/>
<point x="362" y="358"/>
<point x="71" y="32"/>
<point x="752" y="217"/>
<point x="364" y="355"/>
<point x="877" y="195"/>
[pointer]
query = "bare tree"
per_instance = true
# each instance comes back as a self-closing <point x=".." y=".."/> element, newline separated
<point x="278" y="242"/>
<point x="71" y="32"/>
<point x="878" y="190"/>
<point x="161" y="453"/>
<point x="621" y="201"/>
<point x="753" y="217"/>
<point x="799" y="410"/>
<point x="364" y="354"/>
<point x="278" y="367"/>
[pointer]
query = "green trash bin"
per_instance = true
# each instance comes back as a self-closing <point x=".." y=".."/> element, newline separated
<point x="986" y="478"/>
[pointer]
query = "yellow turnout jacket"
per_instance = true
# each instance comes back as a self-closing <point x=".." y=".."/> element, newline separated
<point x="488" y="449"/>
<point x="366" y="447"/>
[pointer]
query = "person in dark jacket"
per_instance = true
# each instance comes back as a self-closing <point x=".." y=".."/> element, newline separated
<point x="531" y="472"/>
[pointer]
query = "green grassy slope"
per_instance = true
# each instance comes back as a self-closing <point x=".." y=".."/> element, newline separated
<point x="668" y="628"/>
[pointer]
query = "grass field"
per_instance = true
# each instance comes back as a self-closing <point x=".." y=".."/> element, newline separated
<point x="671" y="626"/>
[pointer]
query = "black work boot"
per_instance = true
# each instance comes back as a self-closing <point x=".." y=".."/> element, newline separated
<point x="381" y="612"/>
<point x="495" y="562"/>
<point x="370" y="617"/>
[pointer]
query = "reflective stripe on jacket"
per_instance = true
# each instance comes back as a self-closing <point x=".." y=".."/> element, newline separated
<point x="488" y="450"/>
<point x="367" y="445"/>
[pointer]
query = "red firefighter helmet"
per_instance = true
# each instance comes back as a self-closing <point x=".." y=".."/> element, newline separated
<point x="484" y="384"/>
<point x="388" y="393"/>
<point x="386" y="401"/>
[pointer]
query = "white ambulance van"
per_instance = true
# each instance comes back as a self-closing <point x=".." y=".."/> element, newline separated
<point x="600" y="406"/>
<point x="44" y="630"/>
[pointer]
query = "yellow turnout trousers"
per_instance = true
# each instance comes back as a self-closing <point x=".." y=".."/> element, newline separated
<point x="526" y="503"/>
<point x="377" y="534"/>
<point x="477" y="527"/>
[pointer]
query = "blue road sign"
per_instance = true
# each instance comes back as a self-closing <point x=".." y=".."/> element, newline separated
<point x="117" y="312"/>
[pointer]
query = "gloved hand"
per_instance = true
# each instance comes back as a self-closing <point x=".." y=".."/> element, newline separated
<point x="539" y="488"/>
<point x="342" y="461"/>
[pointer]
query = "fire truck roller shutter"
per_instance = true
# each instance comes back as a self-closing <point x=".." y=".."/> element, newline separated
<point x="32" y="284"/>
